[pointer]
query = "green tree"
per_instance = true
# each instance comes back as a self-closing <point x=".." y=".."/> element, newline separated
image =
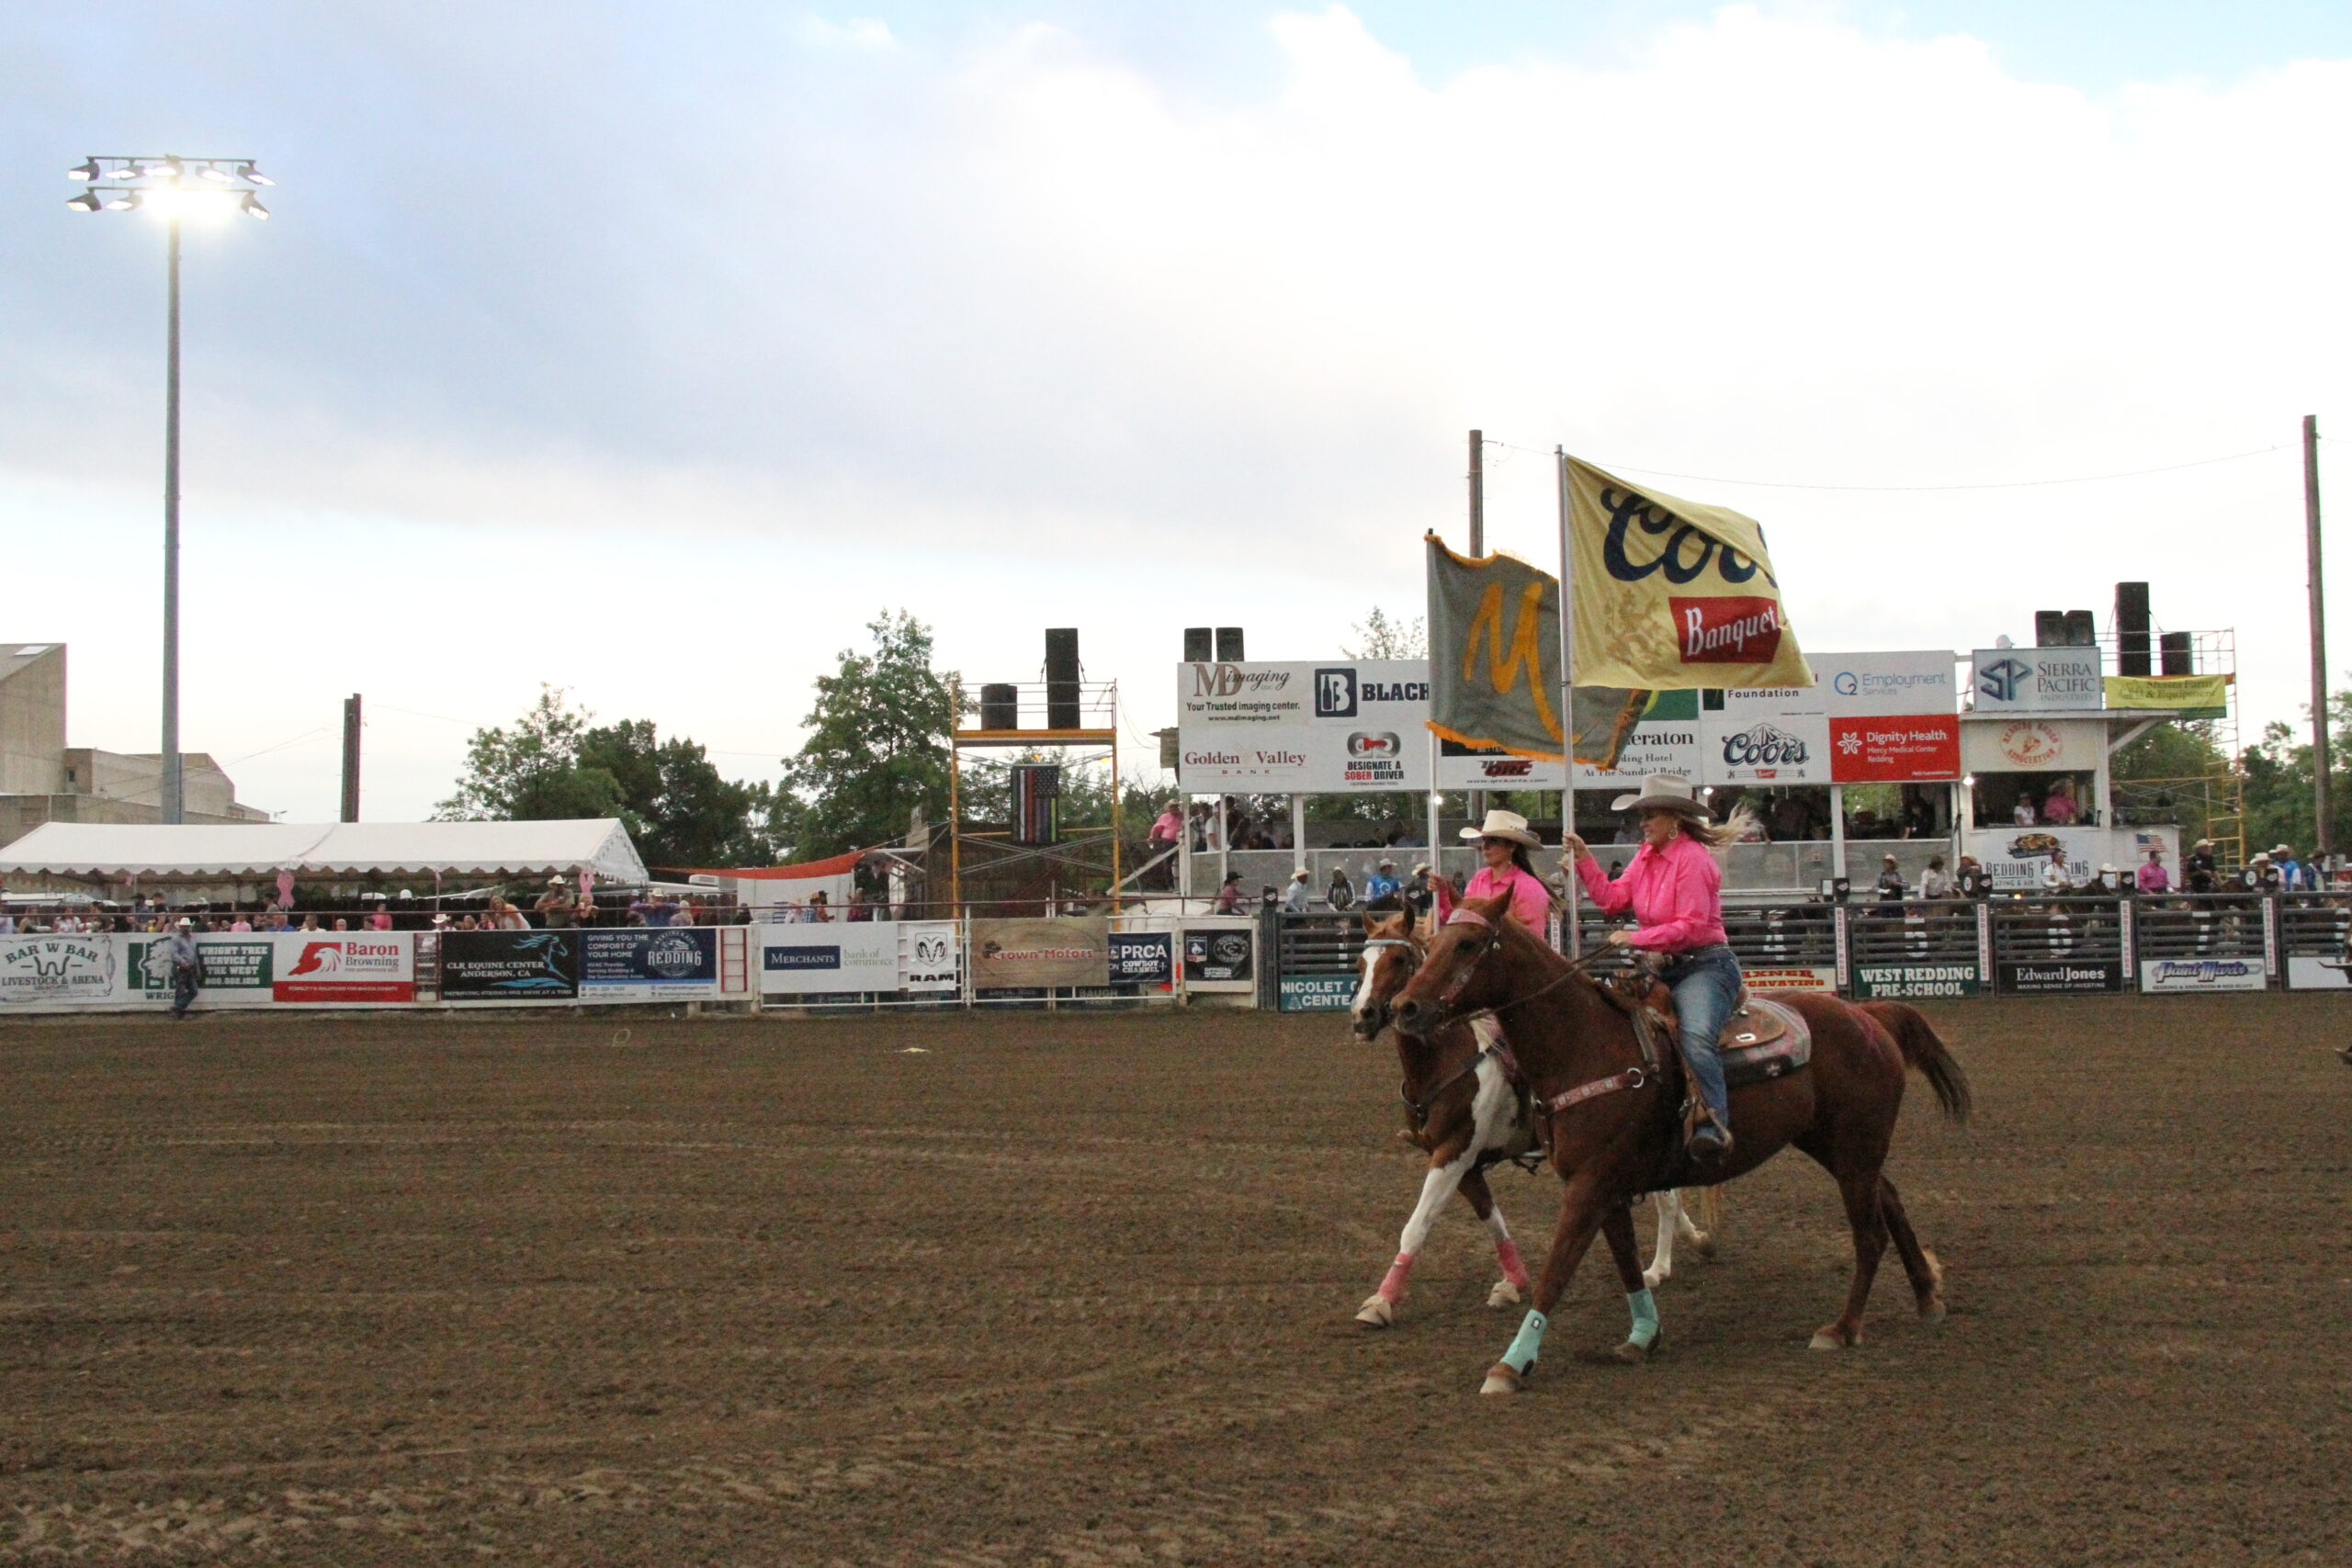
<point x="681" y="810"/>
<point x="2278" y="775"/>
<point x="876" y="747"/>
<point x="1378" y="636"/>
<point x="532" y="772"/>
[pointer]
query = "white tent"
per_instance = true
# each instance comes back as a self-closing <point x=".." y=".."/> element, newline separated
<point x="118" y="852"/>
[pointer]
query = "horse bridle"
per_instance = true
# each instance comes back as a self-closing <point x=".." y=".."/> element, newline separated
<point x="1448" y="998"/>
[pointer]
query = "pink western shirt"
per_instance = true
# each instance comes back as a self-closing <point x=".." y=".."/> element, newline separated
<point x="1676" y="893"/>
<point x="1531" y="902"/>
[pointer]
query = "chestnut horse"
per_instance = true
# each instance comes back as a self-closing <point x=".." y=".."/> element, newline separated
<point x="1612" y="1121"/>
<point x="1465" y="1111"/>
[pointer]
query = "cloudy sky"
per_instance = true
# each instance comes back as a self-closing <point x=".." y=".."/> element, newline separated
<point x="649" y="350"/>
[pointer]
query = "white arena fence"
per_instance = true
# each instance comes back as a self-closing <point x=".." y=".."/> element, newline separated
<point x="1134" y="959"/>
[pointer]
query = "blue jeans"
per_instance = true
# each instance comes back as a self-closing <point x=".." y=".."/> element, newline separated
<point x="1705" y="984"/>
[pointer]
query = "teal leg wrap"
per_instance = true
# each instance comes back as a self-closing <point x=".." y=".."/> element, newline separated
<point x="1645" y="1330"/>
<point x="1526" y="1343"/>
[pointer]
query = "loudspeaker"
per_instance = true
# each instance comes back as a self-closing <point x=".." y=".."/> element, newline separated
<point x="1061" y="677"/>
<point x="999" y="705"/>
<point x="2180" y="659"/>
<point x="1200" y="645"/>
<point x="2082" y="630"/>
<point x="1229" y="644"/>
<point x="2131" y="628"/>
<point x="2049" y="628"/>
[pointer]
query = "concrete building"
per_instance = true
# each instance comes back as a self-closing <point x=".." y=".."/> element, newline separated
<point x="44" y="780"/>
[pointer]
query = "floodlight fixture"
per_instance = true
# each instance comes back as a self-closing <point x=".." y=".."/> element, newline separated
<point x="117" y="183"/>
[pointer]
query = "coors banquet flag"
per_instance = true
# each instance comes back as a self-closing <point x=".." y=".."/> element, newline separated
<point x="1670" y="593"/>
<point x="1494" y="663"/>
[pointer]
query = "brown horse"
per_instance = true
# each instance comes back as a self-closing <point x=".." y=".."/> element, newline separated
<point x="1612" y="1125"/>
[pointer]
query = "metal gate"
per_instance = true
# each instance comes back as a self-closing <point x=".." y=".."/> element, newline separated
<point x="1315" y="961"/>
<point x="1916" y="948"/>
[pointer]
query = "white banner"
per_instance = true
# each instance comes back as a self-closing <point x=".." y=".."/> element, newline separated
<point x="1887" y="686"/>
<point x="2185" y="976"/>
<point x="2011" y="679"/>
<point x="1329" y="729"/>
<point x="833" y="956"/>
<point x="1775" y="735"/>
<point x="2319" y="974"/>
<point x="930" y="956"/>
<point x="57" y="970"/>
<point x="2025" y="745"/>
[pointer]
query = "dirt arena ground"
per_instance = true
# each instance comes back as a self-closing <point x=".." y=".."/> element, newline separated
<point x="1077" y="1290"/>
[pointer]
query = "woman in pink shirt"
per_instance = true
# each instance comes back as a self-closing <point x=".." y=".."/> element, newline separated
<point x="1503" y="840"/>
<point x="1675" y="889"/>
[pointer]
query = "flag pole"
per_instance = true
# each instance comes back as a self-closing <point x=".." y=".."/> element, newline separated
<point x="1568" y="705"/>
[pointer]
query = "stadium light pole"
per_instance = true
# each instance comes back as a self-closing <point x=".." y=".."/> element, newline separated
<point x="176" y="188"/>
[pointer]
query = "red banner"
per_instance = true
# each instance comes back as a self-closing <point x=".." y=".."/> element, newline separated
<point x="1915" y="749"/>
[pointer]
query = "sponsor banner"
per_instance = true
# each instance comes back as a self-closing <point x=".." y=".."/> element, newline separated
<point x="510" y="967"/>
<point x="1905" y="749"/>
<point x="1792" y="978"/>
<point x="1327" y="728"/>
<point x="1018" y="954"/>
<point x="2011" y="679"/>
<point x="829" y="958"/>
<point x="238" y="970"/>
<point x="1143" y="958"/>
<point x="2319" y="974"/>
<point x="2014" y="858"/>
<point x="1217" y="954"/>
<point x="1671" y="593"/>
<point x="73" y="967"/>
<point x="1778" y="735"/>
<point x="1318" y="993"/>
<point x="2044" y="976"/>
<point x="1887" y="686"/>
<point x="927" y="956"/>
<point x="1913" y="980"/>
<point x="1664" y="739"/>
<point x="344" y="967"/>
<point x="639" y="964"/>
<point x="2180" y="977"/>
<point x="2197" y="696"/>
<point x="2032" y="745"/>
<point x="1487" y="767"/>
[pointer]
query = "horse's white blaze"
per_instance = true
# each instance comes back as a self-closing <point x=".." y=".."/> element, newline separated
<point x="1371" y="961"/>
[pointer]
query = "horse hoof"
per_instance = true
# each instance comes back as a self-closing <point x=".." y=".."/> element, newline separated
<point x="1635" y="1354"/>
<point x="1932" y="1309"/>
<point x="1704" y="1244"/>
<point x="1828" y="1339"/>
<point x="1501" y="1379"/>
<point x="1504" y="1294"/>
<point x="1378" y="1312"/>
<point x="1653" y="1278"/>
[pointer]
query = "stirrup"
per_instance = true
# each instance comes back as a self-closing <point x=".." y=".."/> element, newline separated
<point x="1710" y="1142"/>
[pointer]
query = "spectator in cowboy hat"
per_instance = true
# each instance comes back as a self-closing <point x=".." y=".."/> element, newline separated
<point x="2197" y="870"/>
<point x="2290" y="870"/>
<point x="1228" y="896"/>
<point x="1890" y="880"/>
<point x="2102" y="885"/>
<point x="1299" y="895"/>
<point x="187" y="966"/>
<point x="555" y="905"/>
<point x="1420" y="894"/>
<point x="1674" y="890"/>
<point x="1382" y="883"/>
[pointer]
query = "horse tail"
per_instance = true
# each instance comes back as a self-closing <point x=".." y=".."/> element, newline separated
<point x="1925" y="1052"/>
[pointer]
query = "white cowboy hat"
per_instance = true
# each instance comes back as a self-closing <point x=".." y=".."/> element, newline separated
<point x="1508" y="825"/>
<point x="1662" y="792"/>
<point x="2108" y="871"/>
<point x="1419" y="866"/>
<point x="1300" y="875"/>
<point x="1388" y="862"/>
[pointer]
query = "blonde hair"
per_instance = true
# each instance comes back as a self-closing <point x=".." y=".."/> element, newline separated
<point x="1719" y="835"/>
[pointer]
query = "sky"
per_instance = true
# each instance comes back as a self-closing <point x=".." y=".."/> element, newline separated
<point x="648" y="352"/>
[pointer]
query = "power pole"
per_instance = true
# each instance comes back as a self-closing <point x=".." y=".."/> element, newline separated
<point x="351" y="758"/>
<point x="2319" y="805"/>
<point x="1477" y="493"/>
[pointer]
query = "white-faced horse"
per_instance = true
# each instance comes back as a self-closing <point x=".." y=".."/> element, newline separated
<point x="1465" y="1108"/>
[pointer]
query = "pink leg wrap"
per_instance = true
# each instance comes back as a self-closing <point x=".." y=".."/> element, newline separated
<point x="1507" y="1250"/>
<point x="1392" y="1285"/>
